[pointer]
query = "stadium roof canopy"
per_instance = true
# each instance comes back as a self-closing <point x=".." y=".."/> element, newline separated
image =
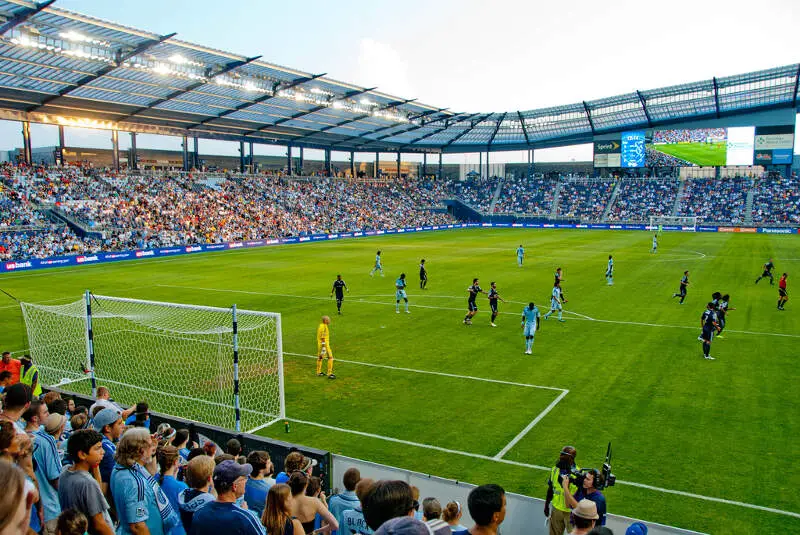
<point x="60" y="67"/>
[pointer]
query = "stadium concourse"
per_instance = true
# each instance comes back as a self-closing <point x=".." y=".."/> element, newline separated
<point x="54" y="211"/>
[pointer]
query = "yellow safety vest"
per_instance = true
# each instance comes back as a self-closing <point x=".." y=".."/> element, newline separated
<point x="27" y="378"/>
<point x="559" y="502"/>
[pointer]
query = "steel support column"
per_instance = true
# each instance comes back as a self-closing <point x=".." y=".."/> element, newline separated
<point x="398" y="165"/>
<point x="352" y="164"/>
<point x="133" y="158"/>
<point x="289" y="160"/>
<point x="377" y="165"/>
<point x="185" y="152"/>
<point x="252" y="160"/>
<point x="440" y="166"/>
<point x="26" y="143"/>
<point x="115" y="149"/>
<point x="480" y="164"/>
<point x="328" y="162"/>
<point x="424" y="163"/>
<point x="488" y="173"/>
<point x="60" y="149"/>
<point x="242" y="163"/>
<point x="300" y="165"/>
<point x="196" y="156"/>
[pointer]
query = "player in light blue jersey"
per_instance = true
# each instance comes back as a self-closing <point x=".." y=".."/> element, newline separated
<point x="378" y="266"/>
<point x="520" y="255"/>
<point x="400" y="293"/>
<point x="655" y="244"/>
<point x="530" y="324"/>
<point x="555" y="302"/>
<point x="610" y="271"/>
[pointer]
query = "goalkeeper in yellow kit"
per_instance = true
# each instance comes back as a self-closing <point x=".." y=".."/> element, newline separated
<point x="324" y="347"/>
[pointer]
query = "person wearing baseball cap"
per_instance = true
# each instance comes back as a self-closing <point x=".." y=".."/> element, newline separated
<point x="584" y="515"/>
<point x="559" y="513"/>
<point x="108" y="422"/>
<point x="223" y="515"/>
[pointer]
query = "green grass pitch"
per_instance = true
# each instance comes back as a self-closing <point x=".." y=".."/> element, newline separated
<point x="703" y="154"/>
<point x="628" y="355"/>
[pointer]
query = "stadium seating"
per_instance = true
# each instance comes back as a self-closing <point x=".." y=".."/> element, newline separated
<point x="585" y="199"/>
<point x="715" y="200"/>
<point x="777" y="200"/>
<point x="638" y="199"/>
<point x="527" y="195"/>
<point x="476" y="193"/>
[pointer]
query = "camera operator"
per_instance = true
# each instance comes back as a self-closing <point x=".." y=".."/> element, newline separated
<point x="560" y="512"/>
<point x="588" y="490"/>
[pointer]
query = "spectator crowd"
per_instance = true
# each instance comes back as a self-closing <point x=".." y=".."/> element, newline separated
<point x="585" y="199"/>
<point x="638" y="199"/>
<point x="527" y="195"/>
<point x="73" y="470"/>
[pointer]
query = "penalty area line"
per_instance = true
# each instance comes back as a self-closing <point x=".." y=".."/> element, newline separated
<point x="530" y="426"/>
<point x="652" y="488"/>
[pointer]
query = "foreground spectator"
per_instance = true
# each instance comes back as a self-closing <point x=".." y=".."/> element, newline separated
<point x="353" y="519"/>
<point x="108" y="422"/>
<point x="15" y="403"/>
<point x="452" y="514"/>
<point x="181" y="441"/>
<point x="168" y="462"/>
<point x="387" y="499"/>
<point x="293" y="462"/>
<point x="78" y="486"/>
<point x="223" y="516"/>
<point x="408" y="525"/>
<point x="29" y="374"/>
<point x="258" y="484"/>
<point x="104" y="401"/>
<point x="305" y="508"/>
<point x="72" y="522"/>
<point x="584" y="516"/>
<point x="140" y="503"/>
<point x="7" y="364"/>
<point x="637" y="528"/>
<point x="199" y="473"/>
<point x="346" y="500"/>
<point x="16" y="500"/>
<point x="47" y="462"/>
<point x="487" y="507"/>
<point x="5" y="380"/>
<point x="277" y="517"/>
<point x="35" y="416"/>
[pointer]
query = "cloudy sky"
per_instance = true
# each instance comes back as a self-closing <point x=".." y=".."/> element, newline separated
<point x="470" y="55"/>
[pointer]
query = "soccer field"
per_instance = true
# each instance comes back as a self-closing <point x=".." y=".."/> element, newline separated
<point x="422" y="391"/>
<point x="703" y="154"/>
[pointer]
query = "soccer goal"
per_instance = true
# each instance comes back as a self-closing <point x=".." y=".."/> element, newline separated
<point x="688" y="223"/>
<point x="222" y="366"/>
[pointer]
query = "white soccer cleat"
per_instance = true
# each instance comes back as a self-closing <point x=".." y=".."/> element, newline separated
<point x="493" y="325"/>
<point x="709" y="357"/>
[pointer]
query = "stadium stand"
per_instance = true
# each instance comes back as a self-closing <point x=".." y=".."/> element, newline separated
<point x="776" y="200"/>
<point x="476" y="193"/>
<point x="585" y="199"/>
<point x="528" y="195"/>
<point x="639" y="199"/>
<point x="713" y="200"/>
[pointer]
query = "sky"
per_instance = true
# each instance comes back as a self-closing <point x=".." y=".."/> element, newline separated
<point x="469" y="55"/>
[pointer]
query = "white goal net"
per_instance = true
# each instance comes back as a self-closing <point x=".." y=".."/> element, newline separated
<point x="686" y="222"/>
<point x="184" y="360"/>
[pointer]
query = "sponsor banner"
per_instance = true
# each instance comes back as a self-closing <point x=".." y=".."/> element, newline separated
<point x="777" y="230"/>
<point x="782" y="156"/>
<point x="607" y="147"/>
<point x="633" y="152"/>
<point x="187" y="249"/>
<point x="774" y="141"/>
<point x="666" y="227"/>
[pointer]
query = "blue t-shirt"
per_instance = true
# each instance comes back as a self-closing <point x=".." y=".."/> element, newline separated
<point x="255" y="494"/>
<point x="135" y="500"/>
<point x="217" y="518"/>
<point x="282" y="477"/>
<point x="184" y="453"/>
<point x="132" y="418"/>
<point x="172" y="488"/>
<point x="48" y="467"/>
<point x="599" y="500"/>
<point x="530" y="315"/>
<point x="340" y="503"/>
<point x="107" y="464"/>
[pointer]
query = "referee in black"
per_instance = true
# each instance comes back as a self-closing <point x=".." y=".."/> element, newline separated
<point x="423" y="275"/>
<point x="339" y="286"/>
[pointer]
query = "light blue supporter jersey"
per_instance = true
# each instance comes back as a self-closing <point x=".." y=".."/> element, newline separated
<point x="530" y="315"/>
<point x="48" y="468"/>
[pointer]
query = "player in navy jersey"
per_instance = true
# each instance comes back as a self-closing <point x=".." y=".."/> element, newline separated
<point x="559" y="278"/>
<point x="493" y="298"/>
<point x="423" y="275"/>
<point x="682" y="290"/>
<point x="708" y="322"/>
<point x="723" y="307"/>
<point x="767" y="274"/>
<point x="339" y="286"/>
<point x="472" y="306"/>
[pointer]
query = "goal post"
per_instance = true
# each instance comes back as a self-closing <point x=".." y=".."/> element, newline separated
<point x="222" y="366"/>
<point x="686" y="223"/>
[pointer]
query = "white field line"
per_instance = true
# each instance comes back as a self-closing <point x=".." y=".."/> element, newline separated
<point x="429" y="372"/>
<point x="580" y="317"/>
<point x="545" y="468"/>
<point x="530" y="426"/>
